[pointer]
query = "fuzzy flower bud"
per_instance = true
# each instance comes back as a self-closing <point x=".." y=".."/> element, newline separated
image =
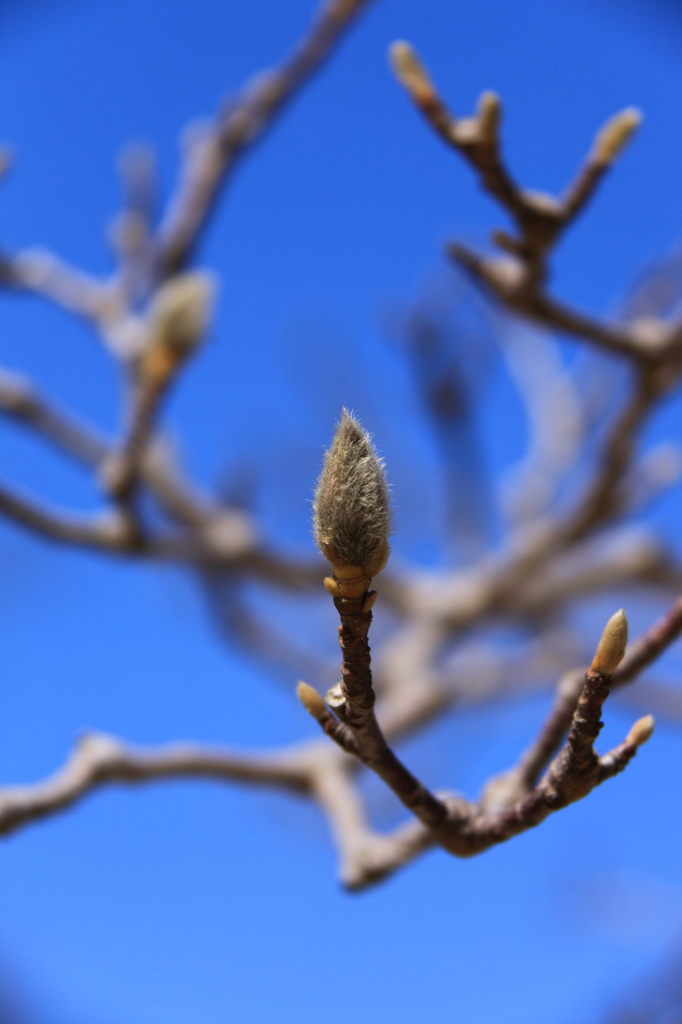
<point x="352" y="517"/>
<point x="615" y="135"/>
<point x="611" y="647"/>
<point x="181" y="312"/>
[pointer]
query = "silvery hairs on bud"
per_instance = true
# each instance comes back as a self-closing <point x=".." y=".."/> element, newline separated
<point x="352" y="517"/>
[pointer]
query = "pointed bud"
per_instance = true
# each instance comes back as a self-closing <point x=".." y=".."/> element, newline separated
<point x="488" y="115"/>
<point x="409" y="70"/>
<point x="614" y="136"/>
<point x="352" y="517"/>
<point x="611" y="647"/>
<point x="181" y="312"/>
<point x="641" y="731"/>
<point x="311" y="700"/>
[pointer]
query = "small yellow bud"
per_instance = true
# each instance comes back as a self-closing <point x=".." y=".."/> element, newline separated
<point x="311" y="700"/>
<point x="614" y="136"/>
<point x="641" y="731"/>
<point x="611" y="647"/>
<point x="181" y="312"/>
<point x="488" y="115"/>
<point x="409" y="70"/>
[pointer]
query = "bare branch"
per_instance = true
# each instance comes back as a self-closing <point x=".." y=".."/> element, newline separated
<point x="243" y="122"/>
<point x="505" y="278"/>
<point x="353" y="701"/>
<point x="43" y="274"/>
<point x="108" y="532"/>
<point x="19" y="402"/>
<point x="101" y="760"/>
<point x="518" y="280"/>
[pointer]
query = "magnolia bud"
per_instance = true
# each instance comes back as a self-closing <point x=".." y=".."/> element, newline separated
<point x="409" y="70"/>
<point x="488" y="114"/>
<point x="311" y="700"/>
<point x="641" y="731"/>
<point x="615" y="135"/>
<point x="611" y="647"/>
<point x="352" y="518"/>
<point x="181" y="312"/>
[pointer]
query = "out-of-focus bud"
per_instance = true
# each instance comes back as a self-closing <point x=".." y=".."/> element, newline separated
<point x="181" y="312"/>
<point x="611" y="647"/>
<point x="641" y="731"/>
<point x="352" y="518"/>
<point x="615" y="135"/>
<point x="409" y="70"/>
<point x="488" y="115"/>
<point x="175" y="326"/>
<point x="311" y="700"/>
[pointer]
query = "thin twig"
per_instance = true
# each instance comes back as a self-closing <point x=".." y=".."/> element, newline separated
<point x="101" y="760"/>
<point x="235" y="130"/>
<point x="21" y="403"/>
<point x="354" y="700"/>
<point x="43" y="274"/>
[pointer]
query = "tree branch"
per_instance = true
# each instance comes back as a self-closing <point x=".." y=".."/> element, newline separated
<point x="238" y="127"/>
<point x="101" y="760"/>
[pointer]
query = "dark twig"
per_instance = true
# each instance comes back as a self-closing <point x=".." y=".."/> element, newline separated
<point x="353" y="700"/>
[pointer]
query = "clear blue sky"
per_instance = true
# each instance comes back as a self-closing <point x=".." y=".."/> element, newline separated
<point x="195" y="903"/>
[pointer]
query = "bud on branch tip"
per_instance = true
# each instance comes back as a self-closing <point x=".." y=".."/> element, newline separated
<point x="181" y="312"/>
<point x="611" y="647"/>
<point x="352" y="518"/>
<point x="408" y="69"/>
<point x="641" y="731"/>
<point x="488" y="114"/>
<point x="311" y="700"/>
<point x="615" y="135"/>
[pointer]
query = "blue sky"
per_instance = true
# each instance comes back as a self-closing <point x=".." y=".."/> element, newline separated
<point x="204" y="903"/>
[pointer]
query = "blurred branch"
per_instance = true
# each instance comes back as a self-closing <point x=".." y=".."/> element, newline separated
<point x="107" y="532"/>
<point x="650" y="645"/>
<point x="101" y="760"/>
<point x="442" y="647"/>
<point x="211" y="157"/>
<point x="43" y="274"/>
<point x="21" y="403"/>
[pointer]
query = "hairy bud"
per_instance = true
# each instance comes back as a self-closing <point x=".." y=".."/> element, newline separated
<point x="641" y="731"/>
<point x="181" y="312"/>
<point x="311" y="700"/>
<point x="615" y="135"/>
<point x="611" y="647"/>
<point x="352" y="518"/>
<point x="409" y="70"/>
